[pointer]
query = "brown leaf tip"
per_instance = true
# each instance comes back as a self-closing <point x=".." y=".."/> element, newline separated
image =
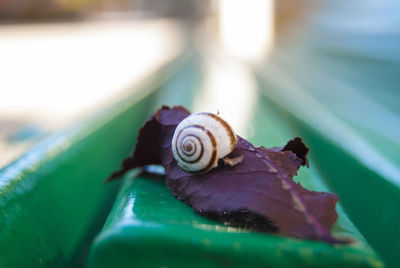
<point x="297" y="147"/>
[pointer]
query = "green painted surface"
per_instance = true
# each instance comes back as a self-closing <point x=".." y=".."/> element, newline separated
<point x="354" y="138"/>
<point x="148" y="227"/>
<point x="53" y="200"/>
<point x="336" y="81"/>
<point x="48" y="207"/>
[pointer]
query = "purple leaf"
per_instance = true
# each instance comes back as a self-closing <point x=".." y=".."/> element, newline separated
<point x="258" y="193"/>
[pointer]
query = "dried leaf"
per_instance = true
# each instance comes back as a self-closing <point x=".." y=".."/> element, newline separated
<point x="258" y="193"/>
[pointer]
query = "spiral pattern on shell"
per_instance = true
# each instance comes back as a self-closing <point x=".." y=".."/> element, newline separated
<point x="200" y="140"/>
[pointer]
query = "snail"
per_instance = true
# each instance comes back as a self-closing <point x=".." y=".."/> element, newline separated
<point x="200" y="140"/>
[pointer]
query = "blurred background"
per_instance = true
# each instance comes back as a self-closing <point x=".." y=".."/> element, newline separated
<point x="61" y="60"/>
<point x="333" y="65"/>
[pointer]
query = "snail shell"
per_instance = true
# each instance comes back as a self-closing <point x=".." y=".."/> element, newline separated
<point x="200" y="140"/>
